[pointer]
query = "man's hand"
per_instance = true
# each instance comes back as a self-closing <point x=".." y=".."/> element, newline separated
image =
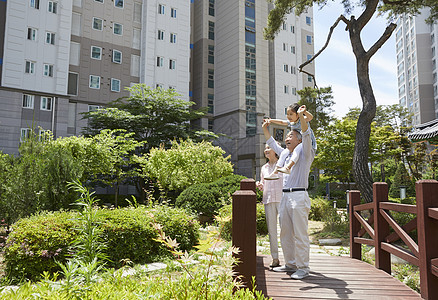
<point x="266" y="123"/>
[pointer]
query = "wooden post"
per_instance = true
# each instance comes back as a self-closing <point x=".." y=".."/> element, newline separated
<point x="248" y="184"/>
<point x="381" y="227"/>
<point x="244" y="233"/>
<point x="355" y="248"/>
<point x="427" y="197"/>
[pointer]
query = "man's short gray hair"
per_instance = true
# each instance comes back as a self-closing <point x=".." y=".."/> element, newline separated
<point x="297" y="132"/>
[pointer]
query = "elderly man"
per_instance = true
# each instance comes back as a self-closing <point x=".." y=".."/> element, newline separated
<point x="295" y="203"/>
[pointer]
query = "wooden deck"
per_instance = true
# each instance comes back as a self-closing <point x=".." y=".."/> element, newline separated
<point x="332" y="277"/>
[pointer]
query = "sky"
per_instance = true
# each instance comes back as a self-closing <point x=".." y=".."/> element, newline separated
<point x="336" y="65"/>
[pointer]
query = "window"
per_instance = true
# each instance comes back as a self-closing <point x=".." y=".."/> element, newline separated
<point x="210" y="104"/>
<point x="32" y="34"/>
<point x="46" y="103"/>
<point x="28" y="101"/>
<point x="211" y="54"/>
<point x="160" y="35"/>
<point x="97" y="23"/>
<point x="136" y="33"/>
<point x="115" y="85"/>
<point x="158" y="86"/>
<point x="30" y="67"/>
<point x="294" y="91"/>
<point x="211" y="7"/>
<point x="284" y="47"/>
<point x="94" y="82"/>
<point x="211" y="78"/>
<point x="101" y="1"/>
<point x="292" y="29"/>
<point x="286" y="89"/>
<point x="94" y="107"/>
<point x="284" y="26"/>
<point x="52" y="7"/>
<point x="161" y="9"/>
<point x="118" y="29"/>
<point x="172" y="64"/>
<point x="286" y="68"/>
<point x="309" y="78"/>
<point x="173" y="12"/>
<point x="159" y="61"/>
<point x="72" y="88"/>
<point x="292" y="49"/>
<point x="43" y="135"/>
<point x="25" y="134"/>
<point x="210" y="30"/>
<point x="293" y="70"/>
<point x="96" y="52"/>
<point x="117" y="56"/>
<point x="309" y="56"/>
<point x="173" y="38"/>
<point x="50" y="38"/>
<point x="35" y="4"/>
<point x="211" y="124"/>
<point x="48" y="70"/>
<point x="308" y="21"/>
<point x="137" y="12"/>
<point x="309" y="39"/>
<point x="118" y="3"/>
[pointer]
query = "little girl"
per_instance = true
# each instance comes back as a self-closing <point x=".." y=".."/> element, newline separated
<point x="293" y="122"/>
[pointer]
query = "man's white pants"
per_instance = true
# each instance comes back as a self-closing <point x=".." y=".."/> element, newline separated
<point x="294" y="213"/>
<point x="271" y="212"/>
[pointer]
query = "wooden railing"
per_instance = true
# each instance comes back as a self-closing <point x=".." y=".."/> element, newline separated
<point x="422" y="253"/>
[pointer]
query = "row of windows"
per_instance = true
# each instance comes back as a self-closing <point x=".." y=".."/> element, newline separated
<point x="32" y="35"/>
<point x="52" y="6"/>
<point x="98" y="25"/>
<point x="162" y="10"/>
<point x="293" y="69"/>
<point x="95" y="83"/>
<point x="117" y="3"/>
<point x="30" y="67"/>
<point x="161" y="33"/>
<point x="286" y="89"/>
<point x="96" y="53"/>
<point x="29" y="100"/>
<point x="26" y="132"/>
<point x="160" y="63"/>
<point x="286" y="48"/>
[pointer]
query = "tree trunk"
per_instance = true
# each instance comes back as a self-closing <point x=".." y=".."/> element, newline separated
<point x="361" y="171"/>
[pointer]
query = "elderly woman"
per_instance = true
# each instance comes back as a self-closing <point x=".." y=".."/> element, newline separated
<point x="272" y="193"/>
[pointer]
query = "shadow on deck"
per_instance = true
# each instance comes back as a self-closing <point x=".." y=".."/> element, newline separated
<point x="332" y="277"/>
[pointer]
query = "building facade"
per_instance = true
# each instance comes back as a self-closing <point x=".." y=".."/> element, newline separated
<point x="416" y="44"/>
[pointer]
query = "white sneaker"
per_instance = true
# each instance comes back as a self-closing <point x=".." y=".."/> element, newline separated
<point x="284" y="170"/>
<point x="300" y="274"/>
<point x="284" y="268"/>
<point x="272" y="177"/>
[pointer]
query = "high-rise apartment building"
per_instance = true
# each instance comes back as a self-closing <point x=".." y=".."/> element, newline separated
<point x="62" y="58"/>
<point x="416" y="45"/>
<point x="241" y="77"/>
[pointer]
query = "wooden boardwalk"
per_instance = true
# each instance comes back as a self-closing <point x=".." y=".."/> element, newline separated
<point x="332" y="277"/>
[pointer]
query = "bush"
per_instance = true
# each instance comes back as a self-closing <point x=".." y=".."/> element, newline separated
<point x="35" y="242"/>
<point x="226" y="222"/>
<point x="207" y="198"/>
<point x="317" y="209"/>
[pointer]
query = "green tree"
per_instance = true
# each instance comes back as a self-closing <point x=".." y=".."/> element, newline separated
<point x="157" y="116"/>
<point x="354" y="26"/>
<point x="319" y="102"/>
<point x="402" y="178"/>
<point x="184" y="164"/>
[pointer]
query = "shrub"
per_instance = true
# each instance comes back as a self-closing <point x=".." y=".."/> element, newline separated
<point x="225" y="221"/>
<point x="318" y="207"/>
<point x="35" y="242"/>
<point x="207" y="198"/>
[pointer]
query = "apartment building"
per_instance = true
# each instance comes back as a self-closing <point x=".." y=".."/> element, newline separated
<point x="416" y="45"/>
<point x="241" y="77"/>
<point x="62" y="58"/>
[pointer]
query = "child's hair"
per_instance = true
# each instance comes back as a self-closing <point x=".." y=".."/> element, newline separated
<point x="294" y="107"/>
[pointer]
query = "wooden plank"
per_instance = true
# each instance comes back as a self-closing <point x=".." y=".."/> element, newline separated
<point x="433" y="213"/>
<point x="400" y="252"/>
<point x="365" y="206"/>
<point x="332" y="277"/>
<point x="408" y="227"/>
<point x="365" y="224"/>
<point x="406" y="208"/>
<point x="401" y="233"/>
<point x="364" y="241"/>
